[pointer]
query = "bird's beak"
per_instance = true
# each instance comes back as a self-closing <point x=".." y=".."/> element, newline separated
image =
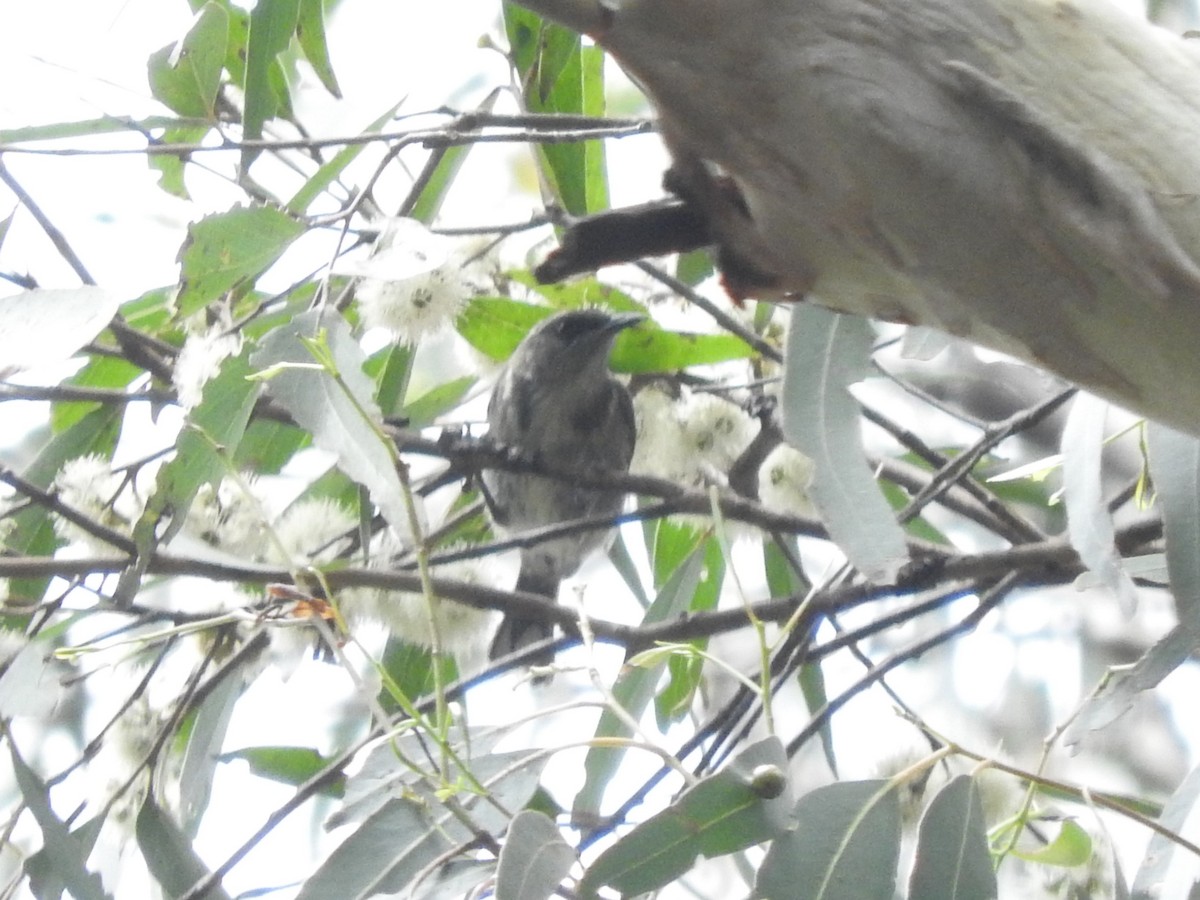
<point x="620" y="321"/>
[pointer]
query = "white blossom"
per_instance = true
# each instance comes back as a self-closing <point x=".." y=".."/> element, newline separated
<point x="716" y="431"/>
<point x="784" y="479"/>
<point x="691" y="440"/>
<point x="659" y="436"/>
<point x="308" y="531"/>
<point x="89" y="485"/>
<point x="200" y="359"/>
<point x="416" y="282"/>
<point x="230" y="518"/>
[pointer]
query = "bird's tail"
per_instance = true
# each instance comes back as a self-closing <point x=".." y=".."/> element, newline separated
<point x="517" y="632"/>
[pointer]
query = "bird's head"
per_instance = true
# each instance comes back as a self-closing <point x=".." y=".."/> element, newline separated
<point x="569" y="343"/>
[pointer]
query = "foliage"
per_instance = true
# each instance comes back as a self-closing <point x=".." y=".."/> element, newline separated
<point x="238" y="480"/>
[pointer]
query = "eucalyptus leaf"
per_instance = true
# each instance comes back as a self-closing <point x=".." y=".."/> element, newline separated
<point x="845" y="846"/>
<point x="534" y="859"/>
<point x="1089" y="523"/>
<point x="45" y="326"/>
<point x="228" y="249"/>
<point x="1168" y="870"/>
<point x="724" y="813"/>
<point x="1175" y="468"/>
<point x="169" y="854"/>
<point x="953" y="861"/>
<point x="187" y="75"/>
<point x="64" y="853"/>
<point x="633" y="690"/>
<point x="826" y="353"/>
<point x="340" y="413"/>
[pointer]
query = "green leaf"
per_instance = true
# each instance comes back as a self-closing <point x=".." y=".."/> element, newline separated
<point x="633" y="691"/>
<point x="826" y="353"/>
<point x="811" y="679"/>
<point x="436" y="401"/>
<point x="1071" y="847"/>
<point x="649" y="348"/>
<point x="410" y="668"/>
<point x="673" y="544"/>
<point x="187" y="75"/>
<point x="202" y="739"/>
<point x="44" y="881"/>
<point x="99" y="372"/>
<point x="724" y="813"/>
<point x="495" y="325"/>
<point x="1089" y="522"/>
<point x="267" y="446"/>
<point x="1175" y="469"/>
<point x="55" y="131"/>
<point x="623" y="562"/>
<point x="169" y="854"/>
<point x="310" y="31"/>
<point x="845" y="846"/>
<point x="400" y="838"/>
<point x="171" y="166"/>
<point x="66" y="856"/>
<point x="917" y="526"/>
<point x="693" y="267"/>
<point x="578" y="292"/>
<point x="33" y="531"/>
<point x="675" y="700"/>
<point x="1168" y="869"/>
<point x="288" y="765"/>
<point x="151" y="312"/>
<point x="391" y="368"/>
<point x="952" y="860"/>
<point x="272" y="24"/>
<point x="560" y="75"/>
<point x="437" y="176"/>
<point x="534" y="859"/>
<point x="213" y="430"/>
<point x="227" y="249"/>
<point x="340" y="413"/>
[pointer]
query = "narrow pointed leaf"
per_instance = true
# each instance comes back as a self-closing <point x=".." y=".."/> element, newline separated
<point x="845" y="846"/>
<point x="45" y="326"/>
<point x="64" y="853"/>
<point x="339" y="415"/>
<point x="1175" y="468"/>
<point x="827" y="353"/>
<point x="310" y="31"/>
<point x="1089" y="523"/>
<point x="169" y="854"/>
<point x="953" y="861"/>
<point x="1168" y="870"/>
<point x="634" y="690"/>
<point x="534" y="859"/>
<point x="744" y="804"/>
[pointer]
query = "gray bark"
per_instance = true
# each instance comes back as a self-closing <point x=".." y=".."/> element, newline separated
<point x="1023" y="173"/>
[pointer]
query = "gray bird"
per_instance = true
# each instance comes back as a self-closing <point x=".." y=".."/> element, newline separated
<point x="557" y="402"/>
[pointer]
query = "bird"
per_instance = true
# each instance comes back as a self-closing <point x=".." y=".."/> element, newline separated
<point x="556" y="402"/>
<point x="1019" y="173"/>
